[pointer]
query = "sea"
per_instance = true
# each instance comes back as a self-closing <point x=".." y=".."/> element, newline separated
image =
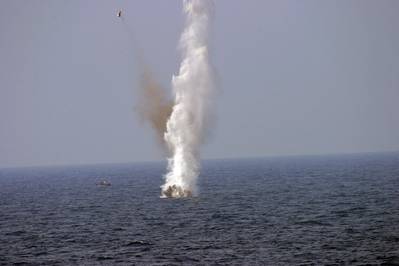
<point x="294" y="210"/>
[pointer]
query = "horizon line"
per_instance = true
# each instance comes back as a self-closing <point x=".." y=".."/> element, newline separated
<point x="203" y="159"/>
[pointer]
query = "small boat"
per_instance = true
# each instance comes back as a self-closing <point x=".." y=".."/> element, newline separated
<point x="104" y="183"/>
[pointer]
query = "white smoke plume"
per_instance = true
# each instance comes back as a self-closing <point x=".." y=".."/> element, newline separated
<point x="193" y="88"/>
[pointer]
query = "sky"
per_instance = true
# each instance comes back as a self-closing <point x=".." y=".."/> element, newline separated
<point x="295" y="77"/>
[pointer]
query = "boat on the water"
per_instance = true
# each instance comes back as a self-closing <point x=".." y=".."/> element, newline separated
<point x="104" y="183"/>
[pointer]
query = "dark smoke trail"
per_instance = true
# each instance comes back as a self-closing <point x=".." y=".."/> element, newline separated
<point x="153" y="105"/>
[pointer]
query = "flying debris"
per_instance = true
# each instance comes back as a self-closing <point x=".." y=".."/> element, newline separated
<point x="119" y="14"/>
<point x="174" y="191"/>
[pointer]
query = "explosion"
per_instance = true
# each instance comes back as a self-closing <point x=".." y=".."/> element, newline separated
<point x="192" y="87"/>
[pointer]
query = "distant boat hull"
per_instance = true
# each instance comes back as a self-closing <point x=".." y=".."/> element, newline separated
<point x="104" y="183"/>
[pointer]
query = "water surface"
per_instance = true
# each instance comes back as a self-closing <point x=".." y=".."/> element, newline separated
<point x="272" y="211"/>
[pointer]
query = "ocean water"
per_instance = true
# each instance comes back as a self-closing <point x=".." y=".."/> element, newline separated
<point x="274" y="211"/>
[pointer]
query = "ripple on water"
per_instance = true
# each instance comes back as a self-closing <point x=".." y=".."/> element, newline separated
<point x="287" y="211"/>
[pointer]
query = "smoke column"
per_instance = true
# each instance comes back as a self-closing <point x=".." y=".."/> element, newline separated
<point x="153" y="105"/>
<point x="192" y="89"/>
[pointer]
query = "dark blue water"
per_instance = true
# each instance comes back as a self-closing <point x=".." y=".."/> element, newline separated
<point x="283" y="211"/>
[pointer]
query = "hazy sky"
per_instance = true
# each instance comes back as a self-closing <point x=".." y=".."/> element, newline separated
<point x="296" y="77"/>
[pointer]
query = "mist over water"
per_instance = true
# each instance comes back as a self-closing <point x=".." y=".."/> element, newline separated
<point x="192" y="89"/>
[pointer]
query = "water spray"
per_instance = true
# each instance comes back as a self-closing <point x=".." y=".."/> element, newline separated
<point x="182" y="123"/>
<point x="192" y="87"/>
